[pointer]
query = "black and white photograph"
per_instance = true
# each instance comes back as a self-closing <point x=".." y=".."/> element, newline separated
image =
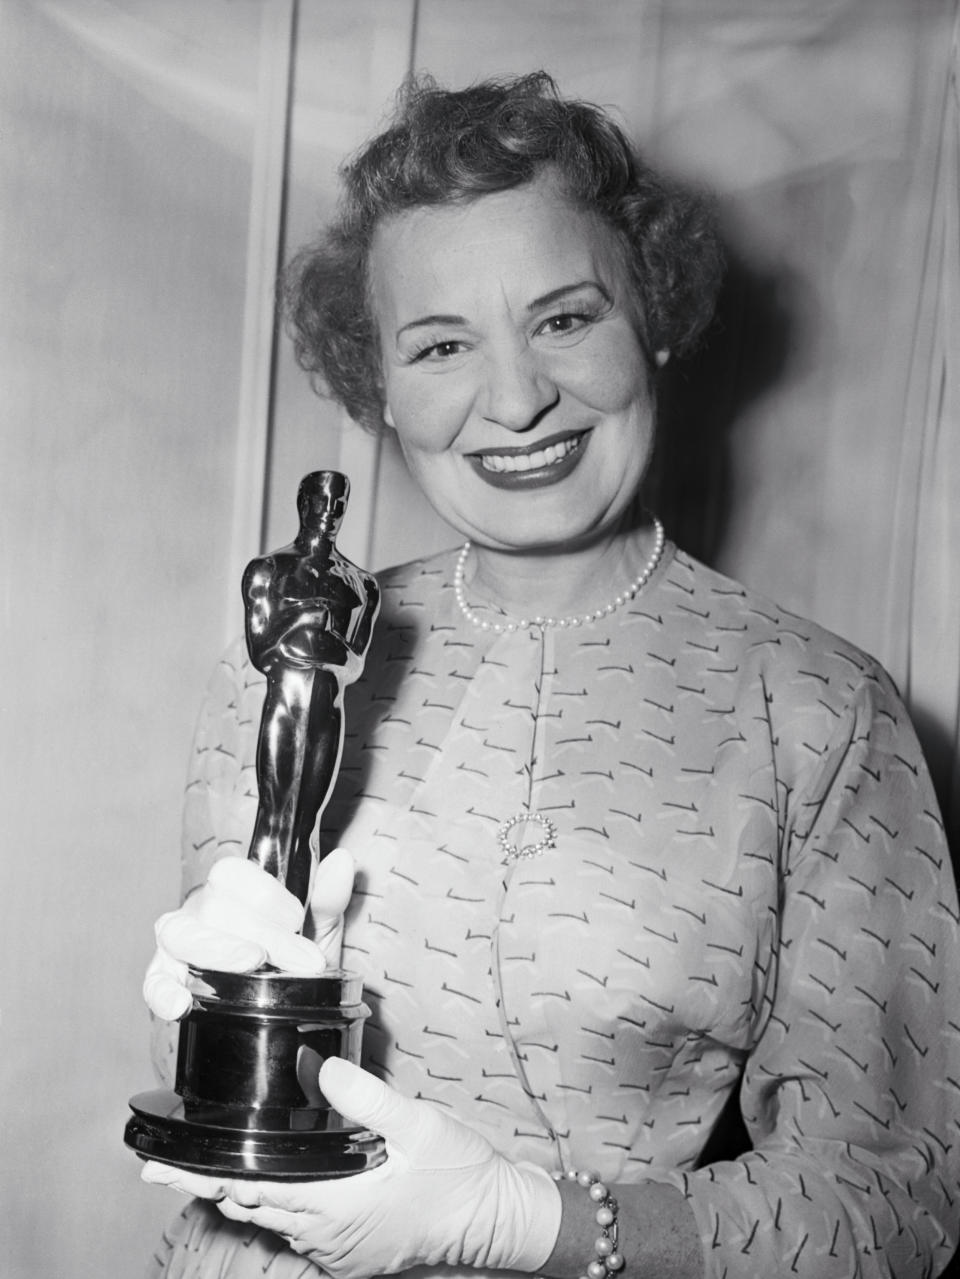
<point x="481" y="639"/>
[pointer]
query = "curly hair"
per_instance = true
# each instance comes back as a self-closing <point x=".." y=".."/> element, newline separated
<point x="451" y="146"/>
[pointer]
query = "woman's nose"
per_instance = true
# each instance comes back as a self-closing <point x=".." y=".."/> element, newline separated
<point x="517" y="390"/>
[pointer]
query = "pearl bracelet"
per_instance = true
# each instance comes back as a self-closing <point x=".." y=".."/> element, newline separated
<point x="609" y="1260"/>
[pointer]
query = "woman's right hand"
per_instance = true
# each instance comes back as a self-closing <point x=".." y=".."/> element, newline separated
<point x="242" y="918"/>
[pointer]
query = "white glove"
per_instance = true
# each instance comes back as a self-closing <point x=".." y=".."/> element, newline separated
<point x="443" y="1196"/>
<point x="241" y="918"/>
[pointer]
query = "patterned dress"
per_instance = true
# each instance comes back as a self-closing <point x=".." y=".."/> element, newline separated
<point x="749" y="889"/>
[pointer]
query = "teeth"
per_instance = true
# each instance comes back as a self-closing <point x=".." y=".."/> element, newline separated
<point x="530" y="461"/>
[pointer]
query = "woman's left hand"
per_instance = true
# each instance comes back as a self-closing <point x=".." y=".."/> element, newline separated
<point x="443" y="1195"/>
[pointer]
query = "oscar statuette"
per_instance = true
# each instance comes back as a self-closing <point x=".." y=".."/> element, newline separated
<point x="246" y="1101"/>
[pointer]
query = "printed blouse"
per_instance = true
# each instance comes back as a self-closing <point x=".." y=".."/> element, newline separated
<point x="612" y="874"/>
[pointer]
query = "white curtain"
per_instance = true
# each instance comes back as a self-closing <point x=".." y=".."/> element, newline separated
<point x="812" y="448"/>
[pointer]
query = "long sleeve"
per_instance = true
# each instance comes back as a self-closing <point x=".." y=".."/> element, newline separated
<point x="851" y="1094"/>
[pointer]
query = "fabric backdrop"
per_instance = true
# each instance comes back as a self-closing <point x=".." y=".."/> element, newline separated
<point x="812" y="448"/>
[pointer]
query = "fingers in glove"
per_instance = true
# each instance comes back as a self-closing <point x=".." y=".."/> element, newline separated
<point x="285" y="1224"/>
<point x="188" y="1183"/>
<point x="190" y="940"/>
<point x="237" y="1199"/>
<point x="357" y="1094"/>
<point x="248" y="884"/>
<point x="223" y="933"/>
<point x="244" y="900"/>
<point x="332" y="886"/>
<point x="332" y="890"/>
<point x="164" y="987"/>
<point x="417" y="1130"/>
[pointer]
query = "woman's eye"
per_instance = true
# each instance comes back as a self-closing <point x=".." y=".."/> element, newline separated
<point x="566" y="322"/>
<point x="438" y="351"/>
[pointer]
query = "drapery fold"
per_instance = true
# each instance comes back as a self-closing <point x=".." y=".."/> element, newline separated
<point x="922" y="622"/>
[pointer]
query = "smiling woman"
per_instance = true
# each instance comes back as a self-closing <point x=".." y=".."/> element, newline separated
<point x="637" y="848"/>
<point x="514" y="375"/>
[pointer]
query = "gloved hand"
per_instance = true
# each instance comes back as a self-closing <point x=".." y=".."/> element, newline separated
<point x="241" y="918"/>
<point x="444" y="1195"/>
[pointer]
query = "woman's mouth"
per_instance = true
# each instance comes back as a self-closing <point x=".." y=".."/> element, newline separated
<point x="545" y="463"/>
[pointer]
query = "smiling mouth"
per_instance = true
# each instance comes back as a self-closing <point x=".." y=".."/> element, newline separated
<point x="537" y="466"/>
<point x="538" y="459"/>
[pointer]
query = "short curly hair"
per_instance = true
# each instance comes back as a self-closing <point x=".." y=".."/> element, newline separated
<point x="450" y="146"/>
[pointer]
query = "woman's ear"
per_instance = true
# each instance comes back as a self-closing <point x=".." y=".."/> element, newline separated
<point x="388" y="417"/>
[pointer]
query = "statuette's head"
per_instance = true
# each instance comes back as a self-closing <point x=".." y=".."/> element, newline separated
<point x="322" y="501"/>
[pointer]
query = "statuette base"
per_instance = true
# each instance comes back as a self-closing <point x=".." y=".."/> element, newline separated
<point x="246" y="1102"/>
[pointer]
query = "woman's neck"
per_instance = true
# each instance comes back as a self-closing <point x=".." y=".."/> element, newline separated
<point x="563" y="583"/>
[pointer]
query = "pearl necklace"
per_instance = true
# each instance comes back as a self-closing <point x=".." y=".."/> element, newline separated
<point x="583" y="619"/>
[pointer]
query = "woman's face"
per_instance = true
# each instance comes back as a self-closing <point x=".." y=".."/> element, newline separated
<point x="512" y="369"/>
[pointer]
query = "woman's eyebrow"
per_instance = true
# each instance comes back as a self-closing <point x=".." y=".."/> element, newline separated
<point x="565" y="290"/>
<point x="546" y="299"/>
<point x="426" y="320"/>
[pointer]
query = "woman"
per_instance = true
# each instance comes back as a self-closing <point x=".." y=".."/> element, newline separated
<point x="629" y="838"/>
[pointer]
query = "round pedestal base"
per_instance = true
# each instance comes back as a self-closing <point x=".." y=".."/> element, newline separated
<point x="225" y="1141"/>
<point x="247" y="1099"/>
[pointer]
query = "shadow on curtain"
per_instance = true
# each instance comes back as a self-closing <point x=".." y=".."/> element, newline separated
<point x="812" y="447"/>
